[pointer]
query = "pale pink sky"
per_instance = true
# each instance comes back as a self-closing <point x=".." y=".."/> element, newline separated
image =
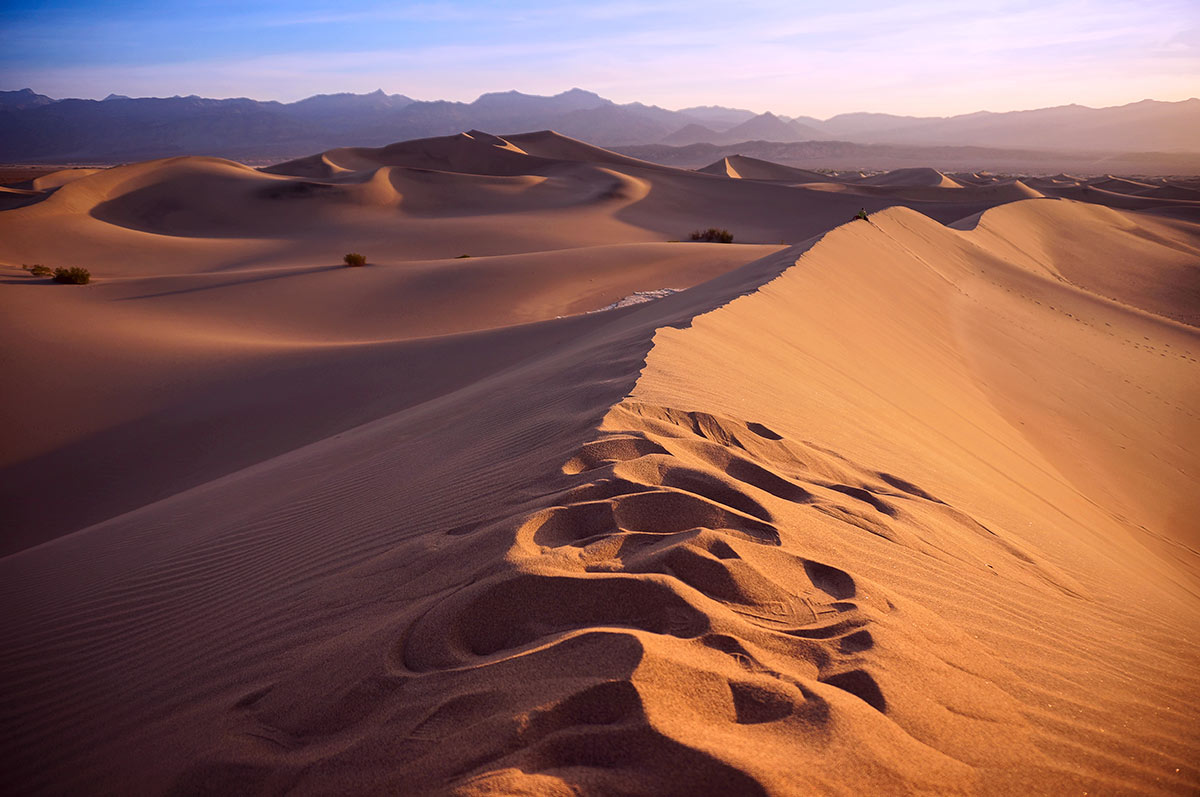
<point x="799" y="57"/>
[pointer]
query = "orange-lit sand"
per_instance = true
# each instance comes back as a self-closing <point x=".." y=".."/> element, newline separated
<point x="893" y="506"/>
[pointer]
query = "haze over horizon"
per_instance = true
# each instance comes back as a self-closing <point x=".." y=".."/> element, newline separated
<point x="928" y="58"/>
<point x="469" y="99"/>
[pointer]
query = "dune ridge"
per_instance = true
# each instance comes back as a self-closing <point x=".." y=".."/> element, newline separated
<point x="693" y="503"/>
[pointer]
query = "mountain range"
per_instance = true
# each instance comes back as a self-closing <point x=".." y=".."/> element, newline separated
<point x="37" y="128"/>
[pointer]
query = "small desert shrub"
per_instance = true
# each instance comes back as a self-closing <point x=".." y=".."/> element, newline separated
<point x="355" y="259"/>
<point x="862" y="214"/>
<point x="40" y="271"/>
<point x="73" y="276"/>
<point x="460" y="257"/>
<point x="713" y="235"/>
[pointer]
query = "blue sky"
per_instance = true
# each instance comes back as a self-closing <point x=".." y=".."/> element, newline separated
<point x="794" y="57"/>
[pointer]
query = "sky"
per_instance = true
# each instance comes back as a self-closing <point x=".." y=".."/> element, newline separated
<point x="792" y="57"/>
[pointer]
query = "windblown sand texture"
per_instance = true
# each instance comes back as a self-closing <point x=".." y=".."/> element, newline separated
<point x="905" y="505"/>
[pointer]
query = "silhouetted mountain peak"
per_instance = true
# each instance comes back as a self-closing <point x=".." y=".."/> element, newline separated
<point x="581" y="93"/>
<point x="24" y="98"/>
<point x="516" y="101"/>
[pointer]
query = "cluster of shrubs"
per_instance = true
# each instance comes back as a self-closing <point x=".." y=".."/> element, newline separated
<point x="713" y="235"/>
<point x="355" y="259"/>
<point x="68" y="276"/>
<point x="73" y="276"/>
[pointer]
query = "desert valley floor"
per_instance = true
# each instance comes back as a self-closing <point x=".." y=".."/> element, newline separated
<point x="902" y="505"/>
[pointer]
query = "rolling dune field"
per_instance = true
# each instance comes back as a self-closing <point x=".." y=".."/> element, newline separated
<point x="888" y="506"/>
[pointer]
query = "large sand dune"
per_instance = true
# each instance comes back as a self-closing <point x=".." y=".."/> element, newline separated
<point x="887" y="506"/>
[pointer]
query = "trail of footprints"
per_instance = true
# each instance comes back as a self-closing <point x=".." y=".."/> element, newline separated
<point x="678" y="547"/>
<point x="667" y="531"/>
<point x="665" y="561"/>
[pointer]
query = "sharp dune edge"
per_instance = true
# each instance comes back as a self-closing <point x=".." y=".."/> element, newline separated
<point x="906" y="507"/>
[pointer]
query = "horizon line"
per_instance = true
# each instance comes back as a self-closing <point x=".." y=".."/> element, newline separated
<point x="587" y="91"/>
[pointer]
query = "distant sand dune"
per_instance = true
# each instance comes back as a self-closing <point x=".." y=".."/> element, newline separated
<point x="741" y="167"/>
<point x="991" y="191"/>
<point x="912" y="178"/>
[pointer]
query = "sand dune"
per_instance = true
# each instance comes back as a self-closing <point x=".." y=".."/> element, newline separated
<point x="1167" y="191"/>
<point x="473" y="153"/>
<point x="990" y="192"/>
<point x="1086" y="192"/>
<point x="1158" y="194"/>
<point x="744" y="168"/>
<point x="903" y="505"/>
<point x="425" y="200"/>
<point x="912" y="178"/>
<point x="60" y="178"/>
<point x="462" y="153"/>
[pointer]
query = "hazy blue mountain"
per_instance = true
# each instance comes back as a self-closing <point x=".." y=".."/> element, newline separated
<point x="763" y="127"/>
<point x="693" y="133"/>
<point x="34" y="127"/>
<point x="1147" y="126"/>
<point x="25" y="98"/>
<point x="717" y="117"/>
<point x="856" y="124"/>
<point x="323" y="104"/>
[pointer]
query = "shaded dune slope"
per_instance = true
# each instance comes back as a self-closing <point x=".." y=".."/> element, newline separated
<point x="487" y="448"/>
<point x="903" y="508"/>
<point x="218" y="298"/>
<point x="197" y="375"/>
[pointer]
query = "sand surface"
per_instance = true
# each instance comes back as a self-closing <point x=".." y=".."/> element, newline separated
<point x="904" y="505"/>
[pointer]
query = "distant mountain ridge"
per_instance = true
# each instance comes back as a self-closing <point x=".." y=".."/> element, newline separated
<point x="34" y="127"/>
